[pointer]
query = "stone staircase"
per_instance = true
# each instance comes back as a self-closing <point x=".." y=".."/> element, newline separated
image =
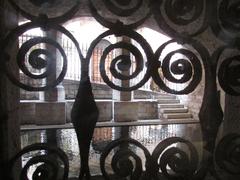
<point x="170" y="108"/>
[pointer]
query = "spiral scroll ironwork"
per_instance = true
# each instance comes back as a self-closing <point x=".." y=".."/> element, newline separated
<point x="120" y="10"/>
<point x="183" y="163"/>
<point x="41" y="6"/>
<point x="125" y="162"/>
<point x="176" y="9"/>
<point x="188" y="67"/>
<point x="172" y="14"/>
<point x="115" y="8"/>
<point x="228" y="61"/>
<point x="228" y="75"/>
<point x="38" y="58"/>
<point x="182" y="20"/>
<point x="52" y="164"/>
<point x="225" y="20"/>
<point x="123" y="62"/>
<point x="227" y="156"/>
<point x="35" y="59"/>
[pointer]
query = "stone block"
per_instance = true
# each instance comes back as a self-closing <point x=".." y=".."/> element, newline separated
<point x="147" y="110"/>
<point x="50" y="113"/>
<point x="105" y="110"/>
<point x="125" y="111"/>
<point x="27" y="112"/>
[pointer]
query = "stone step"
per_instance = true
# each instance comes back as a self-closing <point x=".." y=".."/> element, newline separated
<point x="158" y="96"/>
<point x="165" y="97"/>
<point x="174" y="110"/>
<point x="177" y="115"/>
<point x="164" y="106"/>
<point x="168" y="101"/>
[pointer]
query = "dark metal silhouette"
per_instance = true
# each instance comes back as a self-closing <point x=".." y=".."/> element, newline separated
<point x="182" y="20"/>
<point x="51" y="167"/>
<point x="84" y="118"/>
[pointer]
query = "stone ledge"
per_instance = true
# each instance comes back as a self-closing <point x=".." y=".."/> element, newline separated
<point x="112" y="124"/>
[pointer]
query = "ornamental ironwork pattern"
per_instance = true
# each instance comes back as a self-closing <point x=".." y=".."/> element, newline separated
<point x="183" y="21"/>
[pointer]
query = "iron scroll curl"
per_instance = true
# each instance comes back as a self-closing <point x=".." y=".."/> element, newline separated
<point x="175" y="17"/>
<point x="227" y="157"/>
<point x="125" y="163"/>
<point x="43" y="16"/>
<point x="123" y="62"/>
<point x="189" y="67"/>
<point x="27" y="53"/>
<point x="52" y="164"/>
<point x="228" y="68"/>
<point x="225" y="20"/>
<point x="120" y="10"/>
<point x="169" y="15"/>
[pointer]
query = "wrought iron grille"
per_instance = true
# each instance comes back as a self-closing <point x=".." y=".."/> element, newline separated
<point x="185" y="21"/>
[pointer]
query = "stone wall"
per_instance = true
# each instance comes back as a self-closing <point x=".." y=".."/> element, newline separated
<point x="29" y="112"/>
<point x="146" y="94"/>
<point x="147" y="110"/>
<point x="141" y="109"/>
<point x="100" y="91"/>
<point x="193" y="100"/>
<point x="29" y="95"/>
<point x="104" y="106"/>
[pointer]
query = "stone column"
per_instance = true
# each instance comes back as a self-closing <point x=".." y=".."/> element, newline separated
<point x="52" y="108"/>
<point x="9" y="97"/>
<point x="57" y="93"/>
<point x="124" y="109"/>
<point x="120" y="95"/>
